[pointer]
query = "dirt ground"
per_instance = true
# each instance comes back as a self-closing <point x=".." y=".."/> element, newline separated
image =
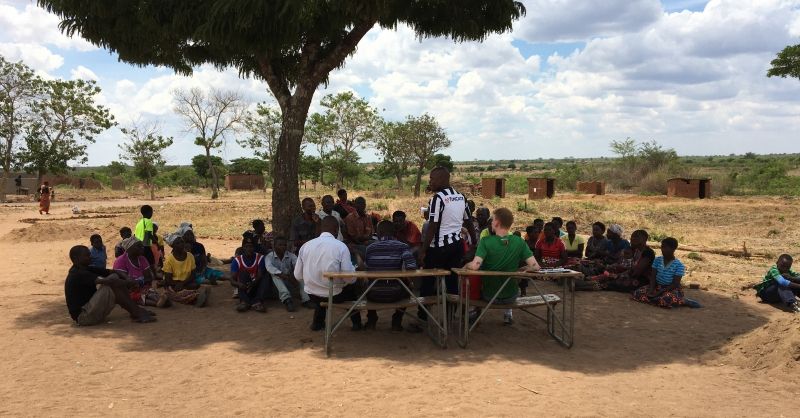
<point x="734" y="357"/>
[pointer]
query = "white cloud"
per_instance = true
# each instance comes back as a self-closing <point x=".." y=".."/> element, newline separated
<point x="81" y="72"/>
<point x="35" y="56"/>
<point x="34" y="25"/>
<point x="577" y="20"/>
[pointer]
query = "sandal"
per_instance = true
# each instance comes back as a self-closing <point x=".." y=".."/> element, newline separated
<point x="258" y="307"/>
<point x="143" y="319"/>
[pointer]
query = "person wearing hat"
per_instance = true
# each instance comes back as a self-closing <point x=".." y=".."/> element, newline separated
<point x="616" y="244"/>
<point x="135" y="265"/>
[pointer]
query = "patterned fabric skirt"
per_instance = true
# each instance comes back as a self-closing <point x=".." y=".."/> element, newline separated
<point x="185" y="296"/>
<point x="140" y="295"/>
<point x="665" y="298"/>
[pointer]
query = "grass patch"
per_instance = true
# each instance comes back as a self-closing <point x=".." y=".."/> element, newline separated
<point x="694" y="256"/>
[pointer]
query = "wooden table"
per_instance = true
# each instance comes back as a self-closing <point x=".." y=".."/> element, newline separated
<point x="560" y="327"/>
<point x="437" y="329"/>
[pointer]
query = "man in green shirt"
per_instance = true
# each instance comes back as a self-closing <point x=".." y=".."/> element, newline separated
<point x="781" y="284"/>
<point x="144" y="232"/>
<point x="502" y="251"/>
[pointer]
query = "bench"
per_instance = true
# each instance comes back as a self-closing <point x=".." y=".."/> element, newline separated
<point x="374" y="306"/>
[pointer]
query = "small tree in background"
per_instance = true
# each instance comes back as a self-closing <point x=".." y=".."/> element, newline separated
<point x="62" y="124"/>
<point x="350" y="124"/>
<point x="318" y="133"/>
<point x="143" y="148"/>
<point x="264" y="130"/>
<point x="426" y="138"/>
<point x="200" y="166"/>
<point x="393" y="144"/>
<point x="310" y="169"/>
<point x="212" y="117"/>
<point x="441" y="160"/>
<point x="248" y="166"/>
<point x="116" y="169"/>
<point x="19" y="87"/>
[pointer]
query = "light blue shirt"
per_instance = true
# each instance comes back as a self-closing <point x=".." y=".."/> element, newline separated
<point x="98" y="258"/>
<point x="666" y="274"/>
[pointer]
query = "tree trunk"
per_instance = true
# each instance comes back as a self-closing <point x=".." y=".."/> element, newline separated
<point x="418" y="179"/>
<point x="399" y="181"/>
<point x="285" y="188"/>
<point x="152" y="187"/>
<point x="215" y="184"/>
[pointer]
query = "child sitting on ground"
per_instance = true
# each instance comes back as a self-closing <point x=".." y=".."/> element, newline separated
<point x="97" y="252"/>
<point x="133" y="263"/>
<point x="124" y="233"/>
<point x="781" y="284"/>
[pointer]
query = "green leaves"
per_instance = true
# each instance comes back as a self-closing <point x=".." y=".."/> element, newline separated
<point x="19" y="88"/>
<point x="63" y="121"/>
<point x="787" y="64"/>
<point x="144" y="150"/>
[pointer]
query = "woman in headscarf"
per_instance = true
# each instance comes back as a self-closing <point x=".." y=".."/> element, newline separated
<point x="179" y="273"/>
<point x="135" y="265"/>
<point x="44" y="198"/>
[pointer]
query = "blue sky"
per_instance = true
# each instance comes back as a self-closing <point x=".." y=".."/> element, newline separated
<point x="572" y="76"/>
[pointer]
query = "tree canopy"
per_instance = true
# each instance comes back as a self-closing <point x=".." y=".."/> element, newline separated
<point x="293" y="45"/>
<point x="787" y="63"/>
<point x="143" y="150"/>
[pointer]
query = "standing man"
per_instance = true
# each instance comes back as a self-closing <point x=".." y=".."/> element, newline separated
<point x="441" y="244"/>
<point x="328" y="210"/>
<point x="326" y="254"/>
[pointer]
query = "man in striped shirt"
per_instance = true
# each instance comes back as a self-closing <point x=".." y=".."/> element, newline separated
<point x="441" y="245"/>
<point x="388" y="254"/>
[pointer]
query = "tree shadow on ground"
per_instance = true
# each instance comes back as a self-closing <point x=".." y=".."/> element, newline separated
<point x="613" y="333"/>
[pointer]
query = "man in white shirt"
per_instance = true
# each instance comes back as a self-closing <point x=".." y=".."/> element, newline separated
<point x="326" y="254"/>
<point x="327" y="210"/>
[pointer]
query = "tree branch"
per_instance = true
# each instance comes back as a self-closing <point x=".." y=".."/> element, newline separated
<point x="337" y="55"/>
<point x="277" y="84"/>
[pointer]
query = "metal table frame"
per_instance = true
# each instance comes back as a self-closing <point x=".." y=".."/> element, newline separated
<point x="561" y="328"/>
<point x="437" y="329"/>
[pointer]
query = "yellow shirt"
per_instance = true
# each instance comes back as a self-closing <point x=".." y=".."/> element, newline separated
<point x="574" y="246"/>
<point x="181" y="270"/>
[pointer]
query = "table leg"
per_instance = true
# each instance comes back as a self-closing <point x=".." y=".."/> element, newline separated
<point x="328" y="321"/>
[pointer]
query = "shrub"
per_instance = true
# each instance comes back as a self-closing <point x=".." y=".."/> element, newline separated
<point x="694" y="256"/>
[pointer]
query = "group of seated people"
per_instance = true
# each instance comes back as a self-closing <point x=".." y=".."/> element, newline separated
<point x="343" y="237"/>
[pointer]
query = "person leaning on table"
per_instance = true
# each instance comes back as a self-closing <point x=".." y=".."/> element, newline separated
<point x="502" y="251"/>
<point x="326" y="254"/>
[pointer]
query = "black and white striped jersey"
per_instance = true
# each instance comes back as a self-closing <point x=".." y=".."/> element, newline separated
<point x="449" y="208"/>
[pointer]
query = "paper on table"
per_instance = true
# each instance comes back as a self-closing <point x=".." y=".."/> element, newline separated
<point x="556" y="270"/>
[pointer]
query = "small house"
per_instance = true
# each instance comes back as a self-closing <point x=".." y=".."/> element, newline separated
<point x="244" y="182"/>
<point x="541" y="188"/>
<point x="591" y="187"/>
<point x="493" y="187"/>
<point x="689" y="188"/>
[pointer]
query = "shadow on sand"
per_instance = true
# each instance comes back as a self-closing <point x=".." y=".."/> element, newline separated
<point x="613" y="333"/>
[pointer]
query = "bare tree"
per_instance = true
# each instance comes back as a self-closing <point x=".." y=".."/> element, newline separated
<point x="213" y="117"/>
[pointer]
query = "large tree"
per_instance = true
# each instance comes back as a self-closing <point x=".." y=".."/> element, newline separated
<point x="63" y="122"/>
<point x="787" y="63"/>
<point x="212" y="116"/>
<point x="425" y="138"/>
<point x="144" y="150"/>
<point x="352" y="124"/>
<point x="19" y="87"/>
<point x="291" y="44"/>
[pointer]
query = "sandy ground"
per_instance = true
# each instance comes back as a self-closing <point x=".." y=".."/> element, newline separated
<point x="735" y="357"/>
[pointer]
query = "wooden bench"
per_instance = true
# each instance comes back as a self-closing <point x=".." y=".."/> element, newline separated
<point x="521" y="302"/>
<point x="374" y="306"/>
